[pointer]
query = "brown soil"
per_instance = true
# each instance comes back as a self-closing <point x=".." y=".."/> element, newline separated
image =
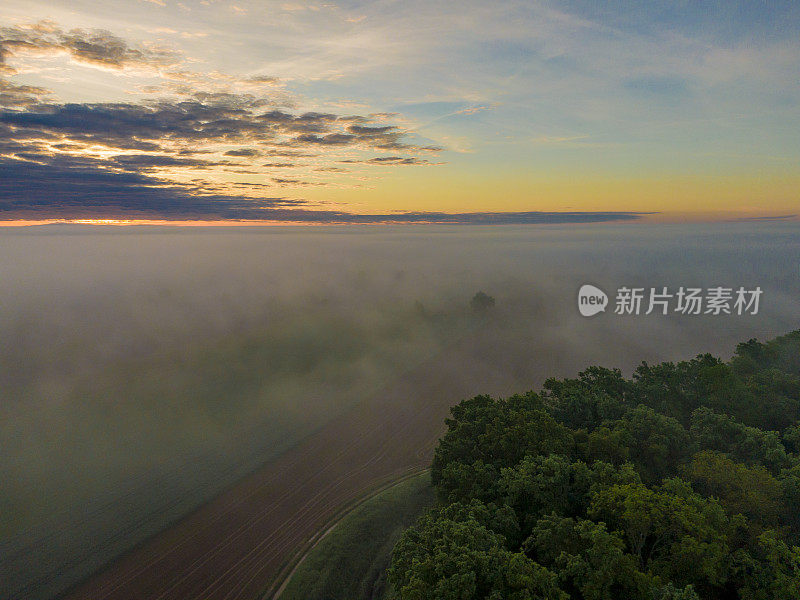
<point x="236" y="546"/>
<point x="239" y="545"/>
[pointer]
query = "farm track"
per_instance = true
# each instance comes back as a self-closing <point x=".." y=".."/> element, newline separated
<point x="237" y="546"/>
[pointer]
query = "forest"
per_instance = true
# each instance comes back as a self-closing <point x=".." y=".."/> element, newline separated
<point x="679" y="483"/>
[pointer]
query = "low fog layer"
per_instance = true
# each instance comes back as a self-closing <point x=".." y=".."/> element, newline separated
<point x="142" y="370"/>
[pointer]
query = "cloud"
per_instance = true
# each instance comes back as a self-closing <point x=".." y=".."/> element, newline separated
<point x="91" y="46"/>
<point x="790" y="217"/>
<point x="371" y="131"/>
<point x="110" y="157"/>
<point x="472" y="110"/>
<point x="84" y="188"/>
<point x="44" y="187"/>
<point x="263" y="79"/>
<point x="57" y="162"/>
<point x="287" y="153"/>
<point x="508" y="218"/>
<point x="332" y="139"/>
<point x="144" y="162"/>
<point x="287" y="182"/>
<point x="243" y="152"/>
<point x="112" y="124"/>
<point x="393" y="160"/>
<point x="222" y="118"/>
<point x="20" y="96"/>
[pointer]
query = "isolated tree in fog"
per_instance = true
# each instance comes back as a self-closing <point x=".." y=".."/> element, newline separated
<point x="481" y="302"/>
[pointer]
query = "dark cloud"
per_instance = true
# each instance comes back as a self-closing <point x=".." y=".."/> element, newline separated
<point x="84" y="188"/>
<point x="225" y="118"/>
<point x="397" y="160"/>
<point x="510" y="218"/>
<point x="149" y="161"/>
<point x="332" y="139"/>
<point x="69" y="188"/>
<point x="81" y="188"/>
<point x="191" y="152"/>
<point x="370" y="131"/>
<point x="311" y="122"/>
<point x="116" y="124"/>
<point x="243" y="152"/>
<point x="282" y="181"/>
<point x="305" y="215"/>
<point x="791" y="217"/>
<point x="354" y="119"/>
<point x="393" y="160"/>
<point x="290" y="153"/>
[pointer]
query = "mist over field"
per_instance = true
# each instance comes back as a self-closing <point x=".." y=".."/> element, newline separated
<point x="144" y="369"/>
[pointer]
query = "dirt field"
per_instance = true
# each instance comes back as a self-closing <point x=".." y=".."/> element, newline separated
<point x="237" y="546"/>
<point x="240" y="545"/>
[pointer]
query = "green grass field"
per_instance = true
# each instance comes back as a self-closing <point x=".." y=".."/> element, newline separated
<point x="350" y="562"/>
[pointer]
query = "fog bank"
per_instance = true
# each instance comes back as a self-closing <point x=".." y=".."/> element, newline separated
<point x="144" y="369"/>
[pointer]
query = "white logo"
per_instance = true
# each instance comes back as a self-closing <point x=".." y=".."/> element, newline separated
<point x="663" y="300"/>
<point x="591" y="300"/>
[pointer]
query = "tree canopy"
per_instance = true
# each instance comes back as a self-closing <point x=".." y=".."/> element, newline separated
<point x="680" y="483"/>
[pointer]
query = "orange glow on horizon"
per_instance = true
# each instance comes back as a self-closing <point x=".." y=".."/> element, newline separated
<point x="652" y="218"/>
<point x="126" y="222"/>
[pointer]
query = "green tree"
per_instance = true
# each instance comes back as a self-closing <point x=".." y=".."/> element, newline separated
<point x="672" y="531"/>
<point x="670" y="592"/>
<point x="791" y="440"/>
<point x="461" y="482"/>
<point x="597" y="395"/>
<point x="498" y="433"/>
<point x="771" y="571"/>
<point x="654" y="443"/>
<point x="790" y="500"/>
<point x="671" y="389"/>
<point x="589" y="561"/>
<point x="606" y="443"/>
<point x="715" y="431"/>
<point x="541" y="485"/>
<point x="445" y="559"/>
<point x="782" y="353"/>
<point x="750" y="491"/>
<point x="771" y="372"/>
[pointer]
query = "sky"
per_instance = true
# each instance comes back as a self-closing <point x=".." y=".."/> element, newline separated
<point x="405" y="112"/>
